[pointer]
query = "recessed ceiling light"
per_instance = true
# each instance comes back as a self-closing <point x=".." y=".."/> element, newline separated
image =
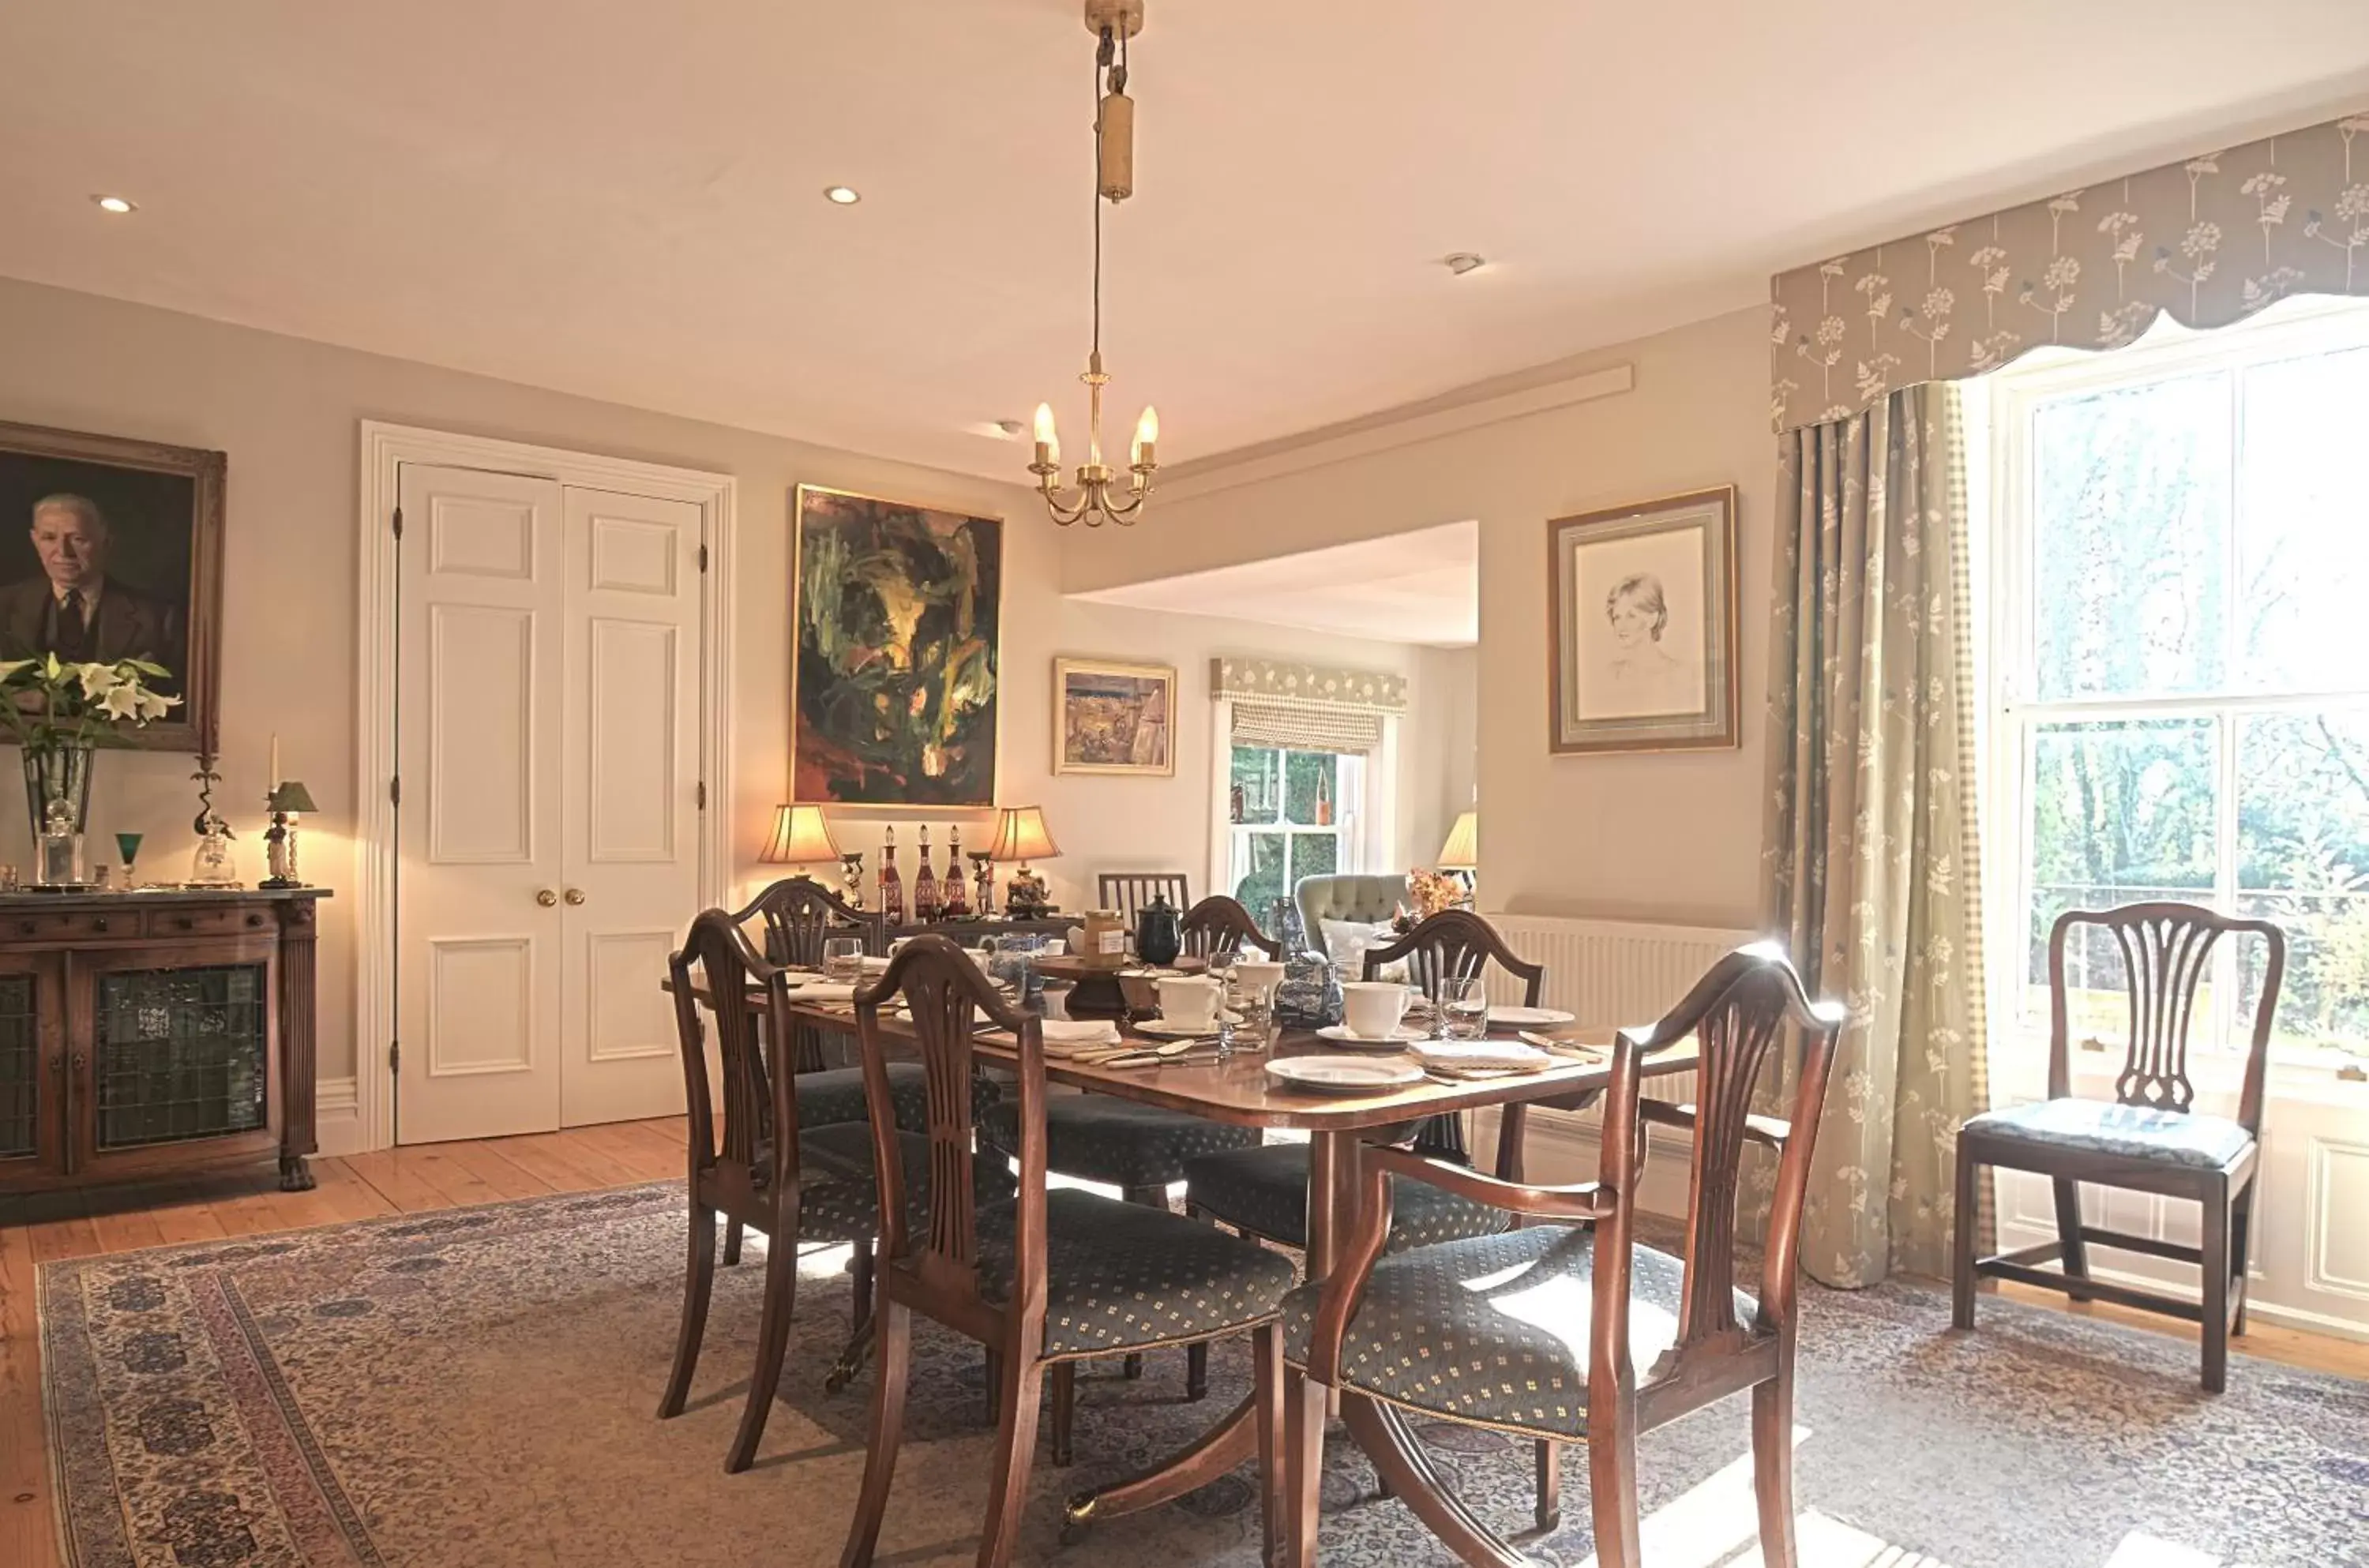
<point x="1463" y="261"/>
<point x="115" y="204"/>
<point x="845" y="194"/>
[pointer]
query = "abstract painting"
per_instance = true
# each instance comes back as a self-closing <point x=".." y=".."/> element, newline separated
<point x="1114" y="718"/>
<point x="894" y="677"/>
<point x="1643" y="605"/>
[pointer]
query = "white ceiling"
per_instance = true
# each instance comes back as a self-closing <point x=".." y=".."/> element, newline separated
<point x="1419" y="587"/>
<point x="624" y="200"/>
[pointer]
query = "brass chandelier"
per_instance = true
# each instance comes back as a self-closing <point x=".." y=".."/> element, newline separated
<point x="1097" y="499"/>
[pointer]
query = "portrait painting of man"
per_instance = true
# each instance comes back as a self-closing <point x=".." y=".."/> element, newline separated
<point x="111" y="549"/>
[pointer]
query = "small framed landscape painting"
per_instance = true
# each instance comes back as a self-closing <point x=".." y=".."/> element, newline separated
<point x="111" y="549"/>
<point x="894" y="676"/>
<point x="1114" y="718"/>
<point x="1642" y="604"/>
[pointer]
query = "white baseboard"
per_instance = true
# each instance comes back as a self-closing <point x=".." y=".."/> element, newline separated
<point x="1563" y="1147"/>
<point x="336" y="1121"/>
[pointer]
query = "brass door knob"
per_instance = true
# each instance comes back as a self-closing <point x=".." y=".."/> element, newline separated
<point x="575" y="895"/>
<point x="547" y="899"/>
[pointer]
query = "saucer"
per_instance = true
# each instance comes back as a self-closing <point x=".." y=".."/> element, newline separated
<point x="1337" y="1075"/>
<point x="1340" y="1035"/>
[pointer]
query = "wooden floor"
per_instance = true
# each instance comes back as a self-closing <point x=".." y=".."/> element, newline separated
<point x="447" y="1175"/>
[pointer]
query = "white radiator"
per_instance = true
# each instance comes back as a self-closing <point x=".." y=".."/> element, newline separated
<point x="1615" y="973"/>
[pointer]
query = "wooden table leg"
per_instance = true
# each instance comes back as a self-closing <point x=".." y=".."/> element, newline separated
<point x="1214" y="1453"/>
<point x="1399" y="1459"/>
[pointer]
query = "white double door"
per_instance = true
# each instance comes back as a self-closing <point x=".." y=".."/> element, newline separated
<point x="547" y="740"/>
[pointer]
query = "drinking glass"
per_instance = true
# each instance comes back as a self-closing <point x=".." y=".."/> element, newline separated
<point x="1221" y="969"/>
<point x="1463" y="1008"/>
<point x="842" y="957"/>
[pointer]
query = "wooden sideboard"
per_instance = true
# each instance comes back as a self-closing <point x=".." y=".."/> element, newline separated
<point x="147" y="1034"/>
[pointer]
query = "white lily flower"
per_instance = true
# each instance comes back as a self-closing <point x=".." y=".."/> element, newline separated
<point x="152" y="706"/>
<point x="120" y="702"/>
<point x="96" y="679"/>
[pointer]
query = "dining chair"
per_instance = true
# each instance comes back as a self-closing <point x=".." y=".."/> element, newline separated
<point x="1220" y="924"/>
<point x="797" y="915"/>
<point x="2150" y="1138"/>
<point x="1128" y="892"/>
<point x="752" y="1174"/>
<point x="1263" y="1191"/>
<point x="1049" y="1279"/>
<point x="1572" y="1330"/>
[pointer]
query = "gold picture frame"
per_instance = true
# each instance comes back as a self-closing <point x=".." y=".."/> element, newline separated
<point x="1114" y="718"/>
<point x="1641" y="618"/>
<point x="866" y="571"/>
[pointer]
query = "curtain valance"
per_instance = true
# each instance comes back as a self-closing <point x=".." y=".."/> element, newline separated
<point x="1278" y="681"/>
<point x="2211" y="240"/>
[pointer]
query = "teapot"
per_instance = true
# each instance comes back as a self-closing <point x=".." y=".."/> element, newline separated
<point x="1159" y="933"/>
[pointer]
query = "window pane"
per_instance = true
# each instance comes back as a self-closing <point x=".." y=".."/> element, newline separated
<point x="1253" y="785"/>
<point x="1310" y="791"/>
<point x="1314" y="854"/>
<point x="2303" y="855"/>
<point x="2122" y="810"/>
<point x="2304" y="534"/>
<point x="1263" y="883"/>
<point x="2131" y="518"/>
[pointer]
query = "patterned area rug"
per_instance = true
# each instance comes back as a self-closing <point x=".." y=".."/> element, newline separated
<point x="476" y="1387"/>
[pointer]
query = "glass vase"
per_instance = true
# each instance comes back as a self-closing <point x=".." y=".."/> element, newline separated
<point x="57" y="772"/>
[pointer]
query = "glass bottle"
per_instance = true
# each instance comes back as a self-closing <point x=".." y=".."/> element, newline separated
<point x="954" y="898"/>
<point x="60" y="846"/>
<point x="213" y="867"/>
<point x="892" y="885"/>
<point x="925" y="883"/>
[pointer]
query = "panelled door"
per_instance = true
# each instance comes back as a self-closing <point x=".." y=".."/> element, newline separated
<point x="547" y="744"/>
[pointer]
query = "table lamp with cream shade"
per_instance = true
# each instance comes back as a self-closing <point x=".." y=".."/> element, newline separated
<point x="1021" y="836"/>
<point x="801" y="838"/>
<point x="1462" y="852"/>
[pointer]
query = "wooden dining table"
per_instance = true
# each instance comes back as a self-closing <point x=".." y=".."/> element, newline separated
<point x="1238" y="1093"/>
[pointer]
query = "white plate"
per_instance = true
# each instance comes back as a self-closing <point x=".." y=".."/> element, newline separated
<point x="1343" y="1075"/>
<point x="1340" y="1035"/>
<point x="1160" y="1029"/>
<point x="1529" y="1017"/>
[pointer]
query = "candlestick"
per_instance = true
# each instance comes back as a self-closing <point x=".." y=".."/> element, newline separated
<point x="275" y="759"/>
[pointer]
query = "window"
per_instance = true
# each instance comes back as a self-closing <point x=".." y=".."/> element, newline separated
<point x="2180" y="666"/>
<point x="1290" y="815"/>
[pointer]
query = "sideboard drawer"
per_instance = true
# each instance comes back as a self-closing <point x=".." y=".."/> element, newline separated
<point x="206" y="923"/>
<point x="74" y="925"/>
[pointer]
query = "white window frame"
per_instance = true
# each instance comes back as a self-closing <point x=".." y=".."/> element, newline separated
<point x="2002" y="407"/>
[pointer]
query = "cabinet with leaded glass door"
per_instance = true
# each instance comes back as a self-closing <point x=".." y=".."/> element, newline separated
<point x="150" y="1034"/>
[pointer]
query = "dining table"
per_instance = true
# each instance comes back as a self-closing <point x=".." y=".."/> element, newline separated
<point x="1238" y="1092"/>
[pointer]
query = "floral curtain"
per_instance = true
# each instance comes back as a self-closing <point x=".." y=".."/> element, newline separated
<point x="1280" y="680"/>
<point x="2211" y="240"/>
<point x="1871" y="858"/>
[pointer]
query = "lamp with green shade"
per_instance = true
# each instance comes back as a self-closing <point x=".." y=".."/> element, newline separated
<point x="289" y="800"/>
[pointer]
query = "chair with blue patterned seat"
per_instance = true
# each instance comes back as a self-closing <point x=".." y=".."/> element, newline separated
<point x="2150" y="1137"/>
<point x="1568" y="1330"/>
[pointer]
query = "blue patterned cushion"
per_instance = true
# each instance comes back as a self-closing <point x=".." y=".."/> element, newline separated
<point x="1495" y="1328"/>
<point x="1265" y="1191"/>
<point x="2100" y="1127"/>
<point x="1100" y="1138"/>
<point x="835" y="1096"/>
<point x="1121" y="1275"/>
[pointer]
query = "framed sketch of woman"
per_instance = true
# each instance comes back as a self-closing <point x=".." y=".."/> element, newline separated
<point x="1641" y="602"/>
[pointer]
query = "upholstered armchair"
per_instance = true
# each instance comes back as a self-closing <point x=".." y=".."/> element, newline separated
<point x="1367" y="898"/>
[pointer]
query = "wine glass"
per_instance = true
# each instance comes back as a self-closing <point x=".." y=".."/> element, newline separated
<point x="1463" y="1008"/>
<point x="128" y="846"/>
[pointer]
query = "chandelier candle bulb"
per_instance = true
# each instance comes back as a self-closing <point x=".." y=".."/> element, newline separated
<point x="1048" y="439"/>
<point x="1146" y="436"/>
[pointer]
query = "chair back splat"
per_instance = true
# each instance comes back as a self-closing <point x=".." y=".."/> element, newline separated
<point x="947" y="993"/>
<point x="712" y="973"/>
<point x="1738" y="1014"/>
<point x="2165" y="951"/>
<point x="1220" y="924"/>
<point x="799" y="915"/>
<point x="1454" y="945"/>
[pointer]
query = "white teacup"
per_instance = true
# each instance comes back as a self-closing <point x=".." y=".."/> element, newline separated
<point x="1189" y="1002"/>
<point x="1373" y="1008"/>
<point x="1258" y="977"/>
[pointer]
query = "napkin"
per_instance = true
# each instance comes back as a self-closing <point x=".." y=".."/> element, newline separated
<point x="1480" y="1055"/>
<point x="1067" y="1036"/>
<point x="824" y="990"/>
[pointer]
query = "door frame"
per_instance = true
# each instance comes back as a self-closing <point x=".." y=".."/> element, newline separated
<point x="384" y="448"/>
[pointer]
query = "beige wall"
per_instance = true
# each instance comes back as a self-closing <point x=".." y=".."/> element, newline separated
<point x="1674" y="837"/>
<point x="288" y="413"/>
